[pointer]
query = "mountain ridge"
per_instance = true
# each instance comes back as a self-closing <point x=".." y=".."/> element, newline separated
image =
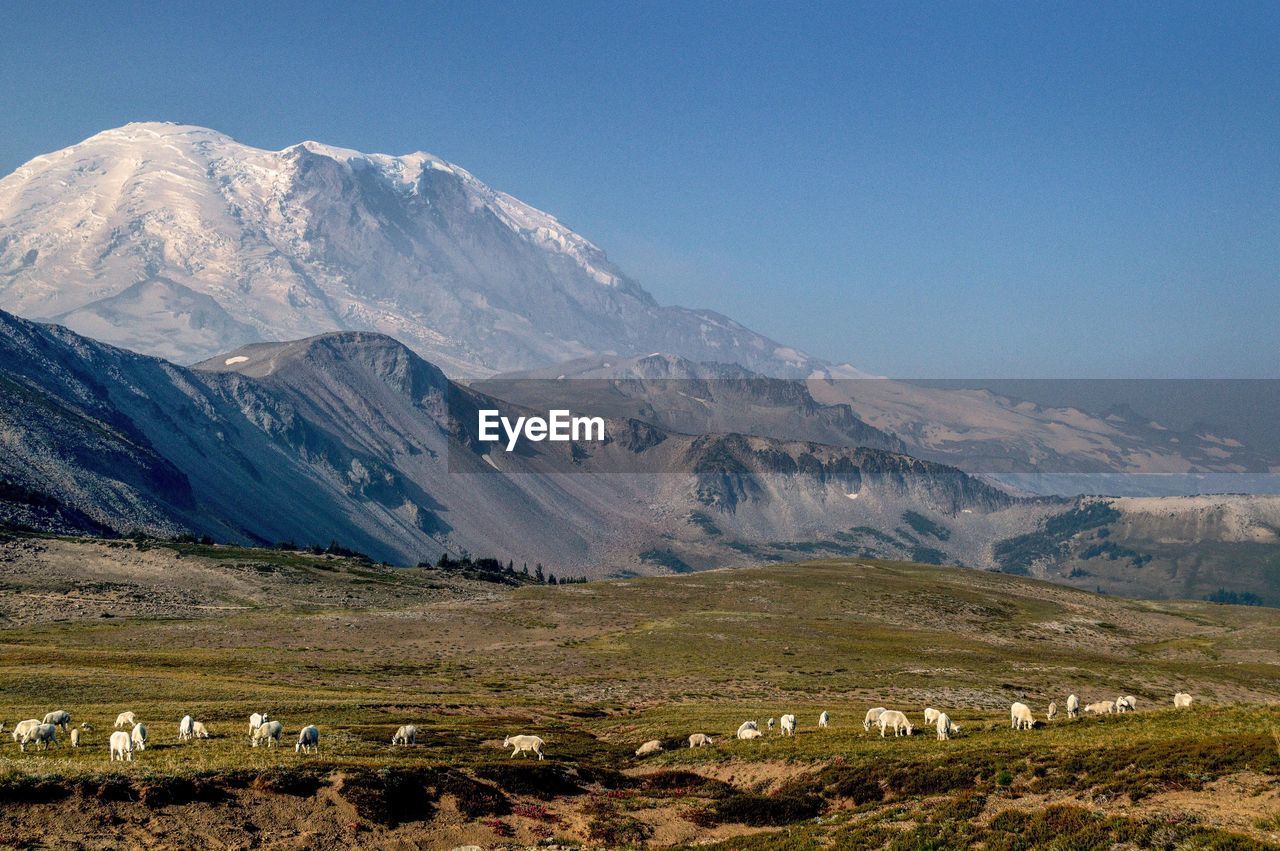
<point x="352" y="435"/>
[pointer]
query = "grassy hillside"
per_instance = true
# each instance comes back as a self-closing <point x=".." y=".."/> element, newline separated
<point x="597" y="669"/>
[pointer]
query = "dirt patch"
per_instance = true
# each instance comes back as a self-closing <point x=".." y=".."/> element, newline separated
<point x="757" y="776"/>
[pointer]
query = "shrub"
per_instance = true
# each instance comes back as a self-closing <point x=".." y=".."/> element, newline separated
<point x="541" y="781"/>
<point x="962" y="807"/>
<point x="473" y="797"/>
<point x="790" y="804"/>
<point x="856" y="784"/>
<point x="617" y="830"/>
<point x="389" y="797"/>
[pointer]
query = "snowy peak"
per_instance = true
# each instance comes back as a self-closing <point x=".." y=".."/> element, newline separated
<point x="180" y="241"/>
<point x="407" y="172"/>
<point x="142" y="159"/>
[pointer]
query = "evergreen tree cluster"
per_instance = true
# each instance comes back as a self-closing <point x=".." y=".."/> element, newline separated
<point x="492" y="570"/>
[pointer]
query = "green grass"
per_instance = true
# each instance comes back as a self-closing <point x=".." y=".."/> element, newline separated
<point x="618" y="663"/>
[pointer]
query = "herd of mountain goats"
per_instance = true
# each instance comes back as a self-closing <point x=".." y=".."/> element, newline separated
<point x="43" y="733"/>
<point x="891" y="719"/>
<point x="263" y="730"/>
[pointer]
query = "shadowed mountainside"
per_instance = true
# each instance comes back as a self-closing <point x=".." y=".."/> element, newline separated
<point x="354" y="437"/>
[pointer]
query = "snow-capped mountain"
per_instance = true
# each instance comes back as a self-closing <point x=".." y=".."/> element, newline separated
<point x="181" y="242"/>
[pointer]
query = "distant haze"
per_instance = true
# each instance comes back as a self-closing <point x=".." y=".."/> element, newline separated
<point x="1245" y="409"/>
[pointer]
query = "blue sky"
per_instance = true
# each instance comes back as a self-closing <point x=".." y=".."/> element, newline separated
<point x="985" y="189"/>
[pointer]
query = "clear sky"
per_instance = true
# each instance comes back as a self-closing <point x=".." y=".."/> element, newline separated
<point x="956" y="189"/>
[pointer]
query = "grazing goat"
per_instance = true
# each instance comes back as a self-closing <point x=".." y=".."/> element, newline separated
<point x="522" y="744"/>
<point x="139" y="736"/>
<point x="1182" y="700"/>
<point x="895" y="719"/>
<point x="43" y="735"/>
<point x="308" y="740"/>
<point x="184" y="728"/>
<point x="406" y="735"/>
<point x="75" y="737"/>
<point x="931" y="715"/>
<point x="699" y="740"/>
<point x="944" y="726"/>
<point x="59" y="718"/>
<point x="121" y="746"/>
<point x="1073" y="706"/>
<point x="23" y="727"/>
<point x="268" y="732"/>
<point x="872" y="716"/>
<point x="126" y="719"/>
<point x="650" y="747"/>
<point x="198" y="730"/>
<point x="1020" y="715"/>
<point x="824" y="720"/>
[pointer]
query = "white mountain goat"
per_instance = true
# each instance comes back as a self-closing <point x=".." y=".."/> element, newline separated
<point x="43" y="735"/>
<point x="650" y="747"/>
<point x="59" y="718"/>
<point x="268" y="732"/>
<point x="872" y="716"/>
<point x="121" y="746"/>
<point x="521" y="744"/>
<point x="895" y="719"/>
<point x="308" y="740"/>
